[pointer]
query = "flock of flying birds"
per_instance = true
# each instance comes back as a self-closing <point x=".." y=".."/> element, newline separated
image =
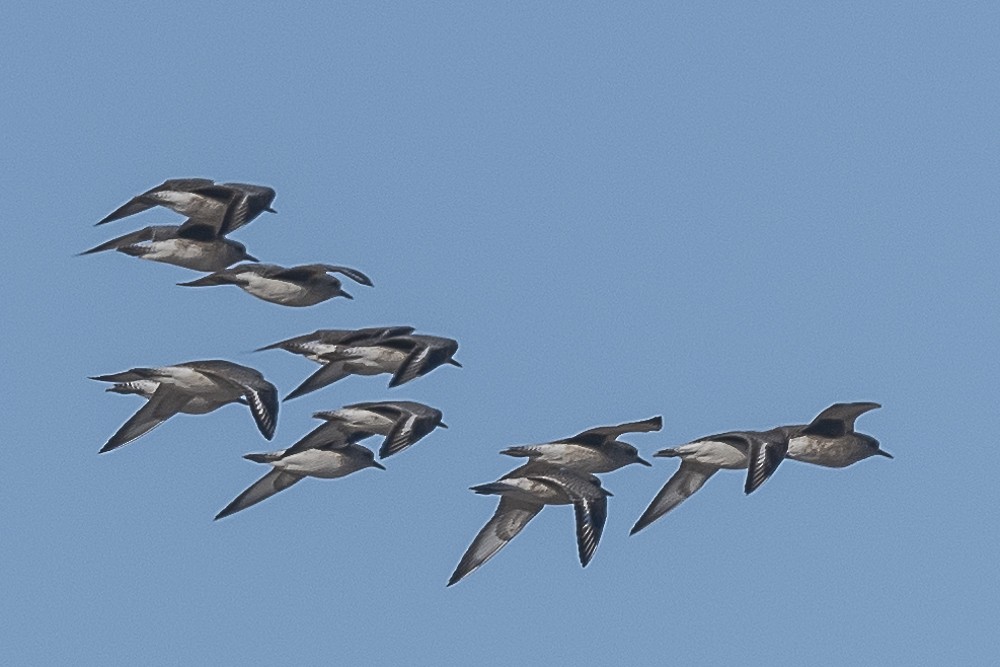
<point x="558" y="472"/>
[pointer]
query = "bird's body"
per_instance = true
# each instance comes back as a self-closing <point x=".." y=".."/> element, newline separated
<point x="195" y="387"/>
<point x="402" y="423"/>
<point x="328" y="461"/>
<point x="197" y="405"/>
<point x="405" y="356"/>
<point x="296" y="286"/>
<point x="524" y="492"/>
<point x="595" y="450"/>
<point x="837" y="452"/>
<point x="169" y="244"/>
<point x="222" y="207"/>
<point x="322" y="342"/>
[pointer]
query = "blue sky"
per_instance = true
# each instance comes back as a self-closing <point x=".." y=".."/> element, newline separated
<point x="732" y="216"/>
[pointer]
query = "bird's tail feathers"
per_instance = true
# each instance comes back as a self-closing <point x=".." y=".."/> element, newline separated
<point x="668" y="452"/>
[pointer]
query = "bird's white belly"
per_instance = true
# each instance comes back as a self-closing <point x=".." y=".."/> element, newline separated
<point x="273" y="290"/>
<point x="715" y="453"/>
<point x="195" y="384"/>
<point x="574" y="457"/>
<point x="189" y="204"/>
<point x="172" y="249"/>
<point x="328" y="464"/>
<point x="366" y="420"/>
<point x="196" y="255"/>
<point x="374" y="360"/>
<point x="534" y="491"/>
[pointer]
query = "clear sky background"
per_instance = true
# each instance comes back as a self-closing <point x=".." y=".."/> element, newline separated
<point x="729" y="215"/>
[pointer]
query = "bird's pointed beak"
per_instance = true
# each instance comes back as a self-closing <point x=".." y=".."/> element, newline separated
<point x="882" y="452"/>
<point x="345" y="294"/>
<point x="442" y="425"/>
<point x="250" y="258"/>
<point x="643" y="461"/>
<point x="270" y="210"/>
<point x="376" y="464"/>
<point x="454" y="363"/>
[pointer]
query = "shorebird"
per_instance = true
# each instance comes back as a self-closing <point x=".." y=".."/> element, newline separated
<point x="402" y="423"/>
<point x="222" y="206"/>
<point x="523" y="492"/>
<point x="829" y="440"/>
<point x="594" y="450"/>
<point x="327" y="462"/>
<point x="327" y="341"/>
<point x="194" y="247"/>
<point x="757" y="452"/>
<point x="297" y="286"/>
<point x="130" y="382"/>
<point x="405" y="356"/>
<point x="195" y="387"/>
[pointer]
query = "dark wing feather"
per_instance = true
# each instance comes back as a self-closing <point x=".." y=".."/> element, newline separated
<point x="197" y="229"/>
<point x="765" y="455"/>
<point x="604" y="433"/>
<point x="297" y="274"/>
<point x="416" y="364"/>
<point x="404" y="433"/>
<point x="838" y="419"/>
<point x="353" y="274"/>
<point x="327" y="374"/>
<point x="591" y="513"/>
<point x="331" y="434"/>
<point x="263" y="402"/>
<point x="375" y="333"/>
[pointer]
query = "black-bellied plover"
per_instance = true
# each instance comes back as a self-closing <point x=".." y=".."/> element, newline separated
<point x="402" y="423"/>
<point x="172" y="244"/>
<point x="221" y="206"/>
<point x="198" y="387"/>
<point x="594" y="450"/>
<point x="327" y="462"/>
<point x="297" y="286"/>
<point x="405" y="356"/>
<point x="523" y="492"/>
